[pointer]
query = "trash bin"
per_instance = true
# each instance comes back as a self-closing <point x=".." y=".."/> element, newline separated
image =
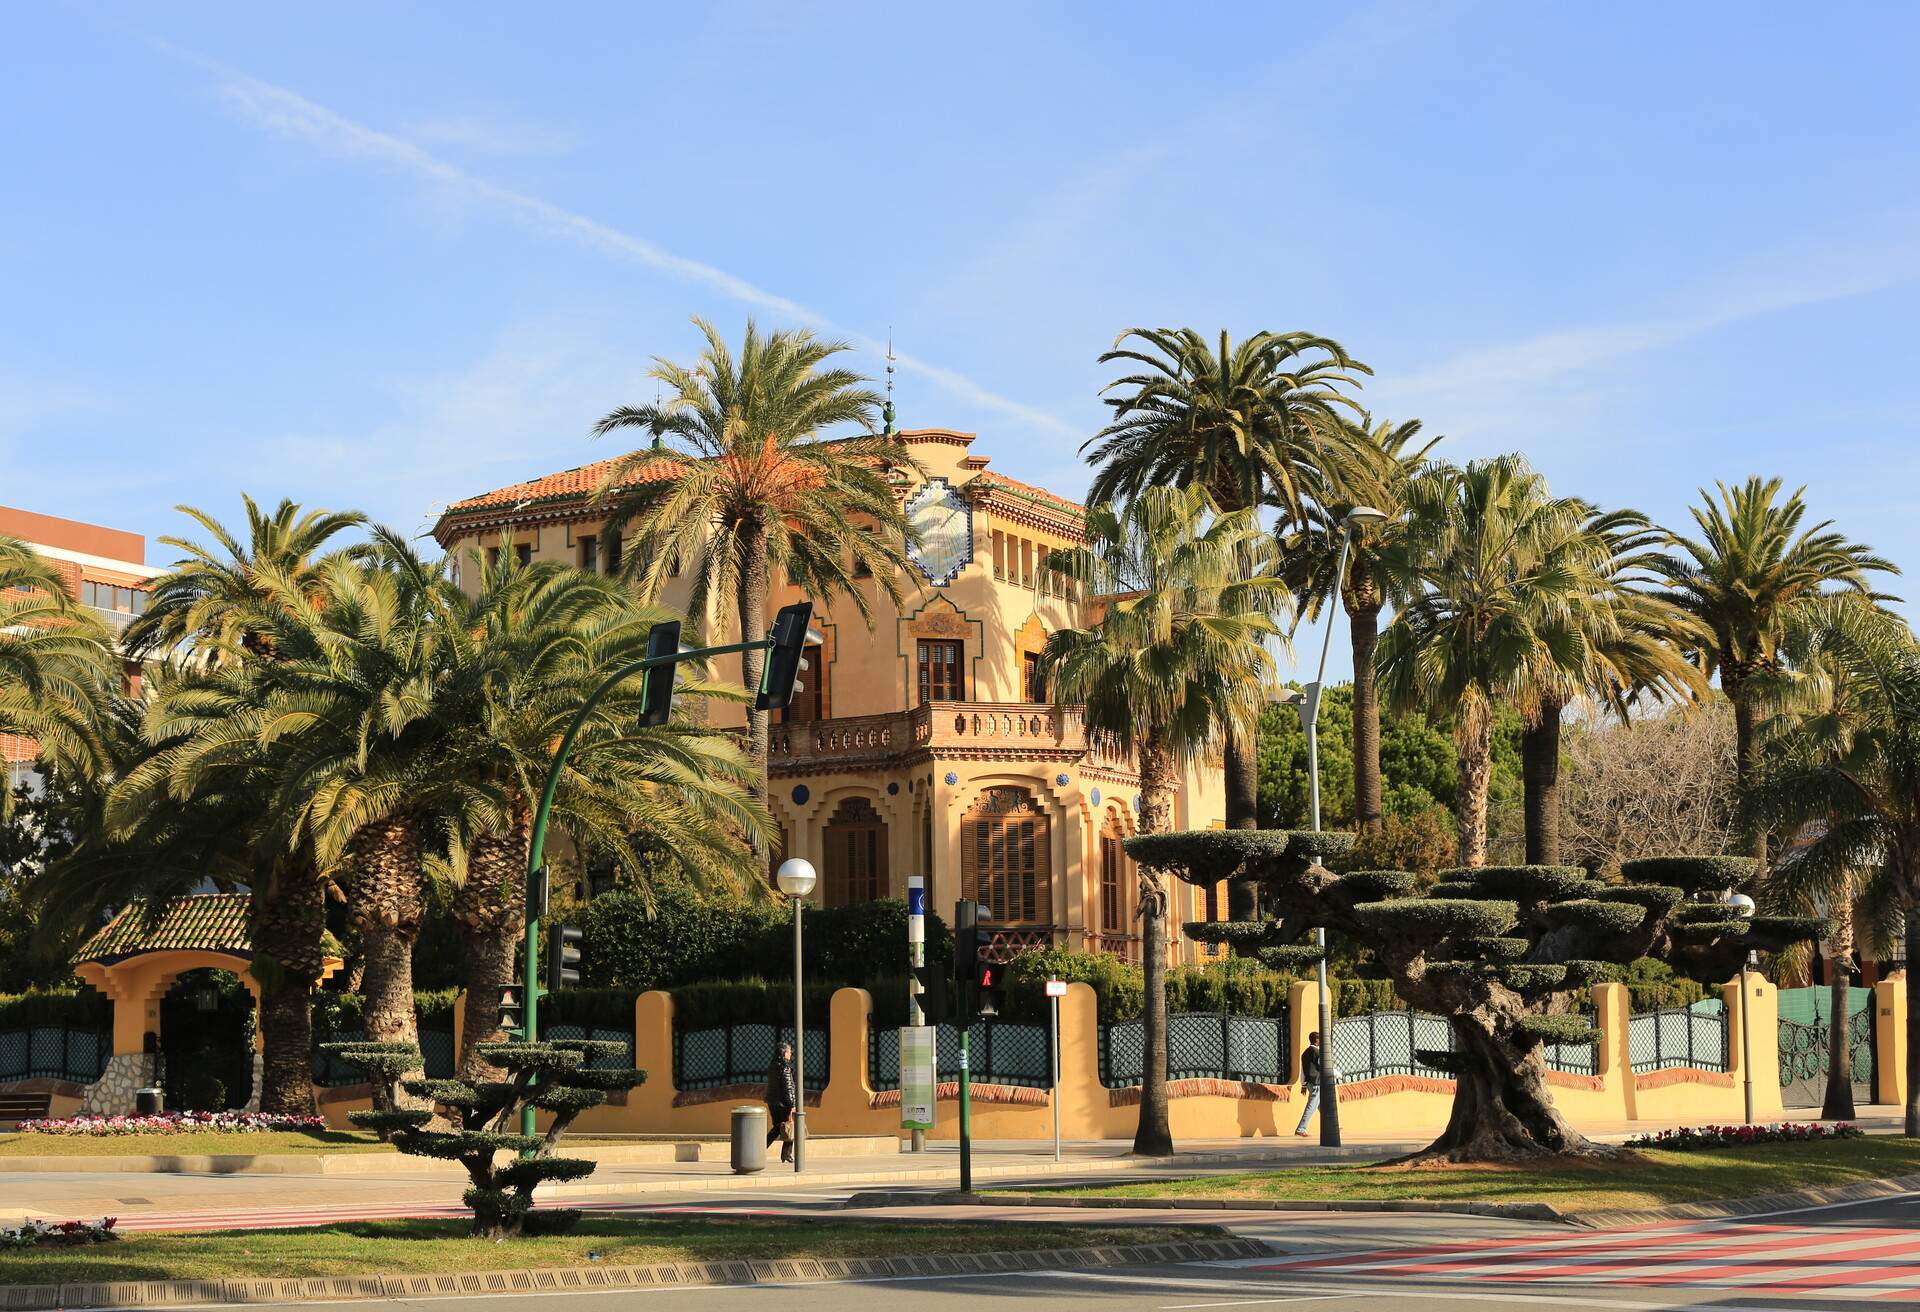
<point x="749" y="1140"/>
<point x="148" y="1102"/>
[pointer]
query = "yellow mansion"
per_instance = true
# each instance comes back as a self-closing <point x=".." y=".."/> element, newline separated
<point x="922" y="744"/>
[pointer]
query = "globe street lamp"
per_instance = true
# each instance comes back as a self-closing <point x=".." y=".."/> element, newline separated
<point x="1742" y="906"/>
<point x="796" y="879"/>
<point x="1307" y="702"/>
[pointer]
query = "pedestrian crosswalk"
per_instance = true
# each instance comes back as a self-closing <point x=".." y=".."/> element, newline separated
<point x="1878" y="1262"/>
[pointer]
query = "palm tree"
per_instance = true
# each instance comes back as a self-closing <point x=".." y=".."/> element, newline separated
<point x="1850" y="786"/>
<point x="1636" y="649"/>
<point x="531" y="645"/>
<point x="1745" y="578"/>
<point x="56" y="666"/>
<point x="750" y="486"/>
<point x="211" y="601"/>
<point x="1260" y="423"/>
<point x="1380" y="572"/>
<point x="1501" y="569"/>
<point x="1174" y="655"/>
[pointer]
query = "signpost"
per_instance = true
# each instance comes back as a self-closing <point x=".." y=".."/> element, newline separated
<point x="1056" y="990"/>
<point x="912" y="1116"/>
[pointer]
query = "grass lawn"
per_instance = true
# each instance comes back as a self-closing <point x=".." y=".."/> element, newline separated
<point x="188" y="1145"/>
<point x="1648" y="1179"/>
<point x="421" y="1247"/>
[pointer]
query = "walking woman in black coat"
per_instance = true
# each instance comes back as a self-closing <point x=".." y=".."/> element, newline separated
<point x="780" y="1102"/>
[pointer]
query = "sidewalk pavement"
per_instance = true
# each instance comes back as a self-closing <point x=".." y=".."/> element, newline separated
<point x="67" y="1195"/>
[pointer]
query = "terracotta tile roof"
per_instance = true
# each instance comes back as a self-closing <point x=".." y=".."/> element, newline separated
<point x="214" y="921"/>
<point x="1028" y="491"/>
<point x="579" y="482"/>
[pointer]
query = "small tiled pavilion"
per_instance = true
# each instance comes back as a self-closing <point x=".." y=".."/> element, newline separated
<point x="136" y="958"/>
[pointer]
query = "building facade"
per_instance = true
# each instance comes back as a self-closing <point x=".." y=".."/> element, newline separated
<point x="104" y="569"/>
<point x="922" y="742"/>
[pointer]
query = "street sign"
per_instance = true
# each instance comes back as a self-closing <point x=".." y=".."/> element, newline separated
<point x="1056" y="988"/>
<point x="918" y="1078"/>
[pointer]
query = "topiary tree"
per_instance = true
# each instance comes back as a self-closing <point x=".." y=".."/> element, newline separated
<point x="1501" y="951"/>
<point x="553" y="1075"/>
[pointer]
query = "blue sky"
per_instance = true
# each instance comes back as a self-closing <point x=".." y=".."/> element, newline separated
<point x="388" y="256"/>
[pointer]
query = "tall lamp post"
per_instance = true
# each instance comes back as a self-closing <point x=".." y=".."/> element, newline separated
<point x="1742" y="905"/>
<point x="1307" y="702"/>
<point x="796" y="878"/>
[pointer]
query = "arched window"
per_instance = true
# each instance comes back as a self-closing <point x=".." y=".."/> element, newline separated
<point x="856" y="854"/>
<point x="1006" y="857"/>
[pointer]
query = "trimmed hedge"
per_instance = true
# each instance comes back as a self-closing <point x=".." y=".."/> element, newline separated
<point x="1436" y="918"/>
<point x="1206" y="856"/>
<point x="712" y="1004"/>
<point x="1522" y="883"/>
<point x="80" y="1009"/>
<point x="688" y="941"/>
<point x="1601" y="917"/>
<point x="345" y="1013"/>
<point x="1377" y="885"/>
<point x="1693" y="874"/>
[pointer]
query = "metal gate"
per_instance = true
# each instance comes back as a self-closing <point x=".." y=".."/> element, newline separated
<point x="1805" y="1016"/>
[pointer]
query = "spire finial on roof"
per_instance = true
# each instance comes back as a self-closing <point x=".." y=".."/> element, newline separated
<point x="887" y="411"/>
<point x="656" y="410"/>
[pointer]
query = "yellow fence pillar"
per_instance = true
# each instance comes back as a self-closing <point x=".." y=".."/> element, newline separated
<point x="846" y="1103"/>
<point x="650" y="1107"/>
<point x="1890" y="1039"/>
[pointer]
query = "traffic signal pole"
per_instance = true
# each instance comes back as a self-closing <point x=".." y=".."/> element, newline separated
<point x="537" y="847"/>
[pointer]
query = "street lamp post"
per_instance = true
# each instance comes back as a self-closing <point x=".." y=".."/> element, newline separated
<point x="1307" y="702"/>
<point x="1742" y="906"/>
<point x="796" y="877"/>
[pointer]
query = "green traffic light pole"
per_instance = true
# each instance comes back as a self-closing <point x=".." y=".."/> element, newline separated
<point x="536" y="848"/>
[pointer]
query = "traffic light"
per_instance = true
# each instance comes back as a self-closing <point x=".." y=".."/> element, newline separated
<point x="988" y="991"/>
<point x="563" y="957"/>
<point x="512" y="1013"/>
<point x="537" y="894"/>
<point x="968" y="938"/>
<point x="932" y="979"/>
<point x="656" y="698"/>
<point x="785" y="661"/>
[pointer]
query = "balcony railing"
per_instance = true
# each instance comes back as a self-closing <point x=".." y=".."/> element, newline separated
<point x="943" y="725"/>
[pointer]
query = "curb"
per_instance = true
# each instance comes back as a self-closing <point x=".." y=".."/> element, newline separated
<point x="466" y="1284"/>
<point x="1511" y="1211"/>
<point x="1865" y="1191"/>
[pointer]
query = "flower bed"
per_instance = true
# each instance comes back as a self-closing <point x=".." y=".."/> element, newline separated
<point x="175" y="1123"/>
<point x="1689" y="1137"/>
<point x="33" y="1234"/>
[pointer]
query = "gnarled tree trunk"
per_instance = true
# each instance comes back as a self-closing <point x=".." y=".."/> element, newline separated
<point x="1503" y="1110"/>
<point x="1540" y="774"/>
<point x="491" y="910"/>
<point x="1154" y="1135"/>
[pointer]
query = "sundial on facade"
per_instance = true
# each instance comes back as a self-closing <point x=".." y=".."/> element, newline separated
<point x="944" y="525"/>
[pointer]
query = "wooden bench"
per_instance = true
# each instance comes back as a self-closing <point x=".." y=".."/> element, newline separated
<point x="17" y="1107"/>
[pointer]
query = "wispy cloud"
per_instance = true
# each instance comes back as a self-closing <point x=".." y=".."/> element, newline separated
<point x="290" y="114"/>
<point x="487" y="135"/>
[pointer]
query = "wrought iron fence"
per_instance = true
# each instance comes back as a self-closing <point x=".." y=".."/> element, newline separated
<point x="1575" y="1058"/>
<point x="54" y="1052"/>
<point x="437" y="1056"/>
<point x="1805" y="1026"/>
<point x="1388" y="1043"/>
<point x="1201" y="1045"/>
<point x="1693" y="1036"/>
<point x="999" y="1052"/>
<point x="740" y="1054"/>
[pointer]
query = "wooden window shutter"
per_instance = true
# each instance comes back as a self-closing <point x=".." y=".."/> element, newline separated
<point x="1042" y="912"/>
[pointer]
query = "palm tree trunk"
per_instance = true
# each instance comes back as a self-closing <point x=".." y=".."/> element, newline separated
<point x="388" y="891"/>
<point x="1475" y="764"/>
<point x="752" y="611"/>
<point x="1743" y="735"/>
<point x="1912" y="1130"/>
<point x="1838" y="1104"/>
<point x="1364" y="625"/>
<point x="289" y="918"/>
<point x="491" y="909"/>
<point x="1540" y="772"/>
<point x="1243" y="781"/>
<point x="1154" y="1135"/>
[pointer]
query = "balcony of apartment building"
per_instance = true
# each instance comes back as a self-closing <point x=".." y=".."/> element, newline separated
<point x="934" y="727"/>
